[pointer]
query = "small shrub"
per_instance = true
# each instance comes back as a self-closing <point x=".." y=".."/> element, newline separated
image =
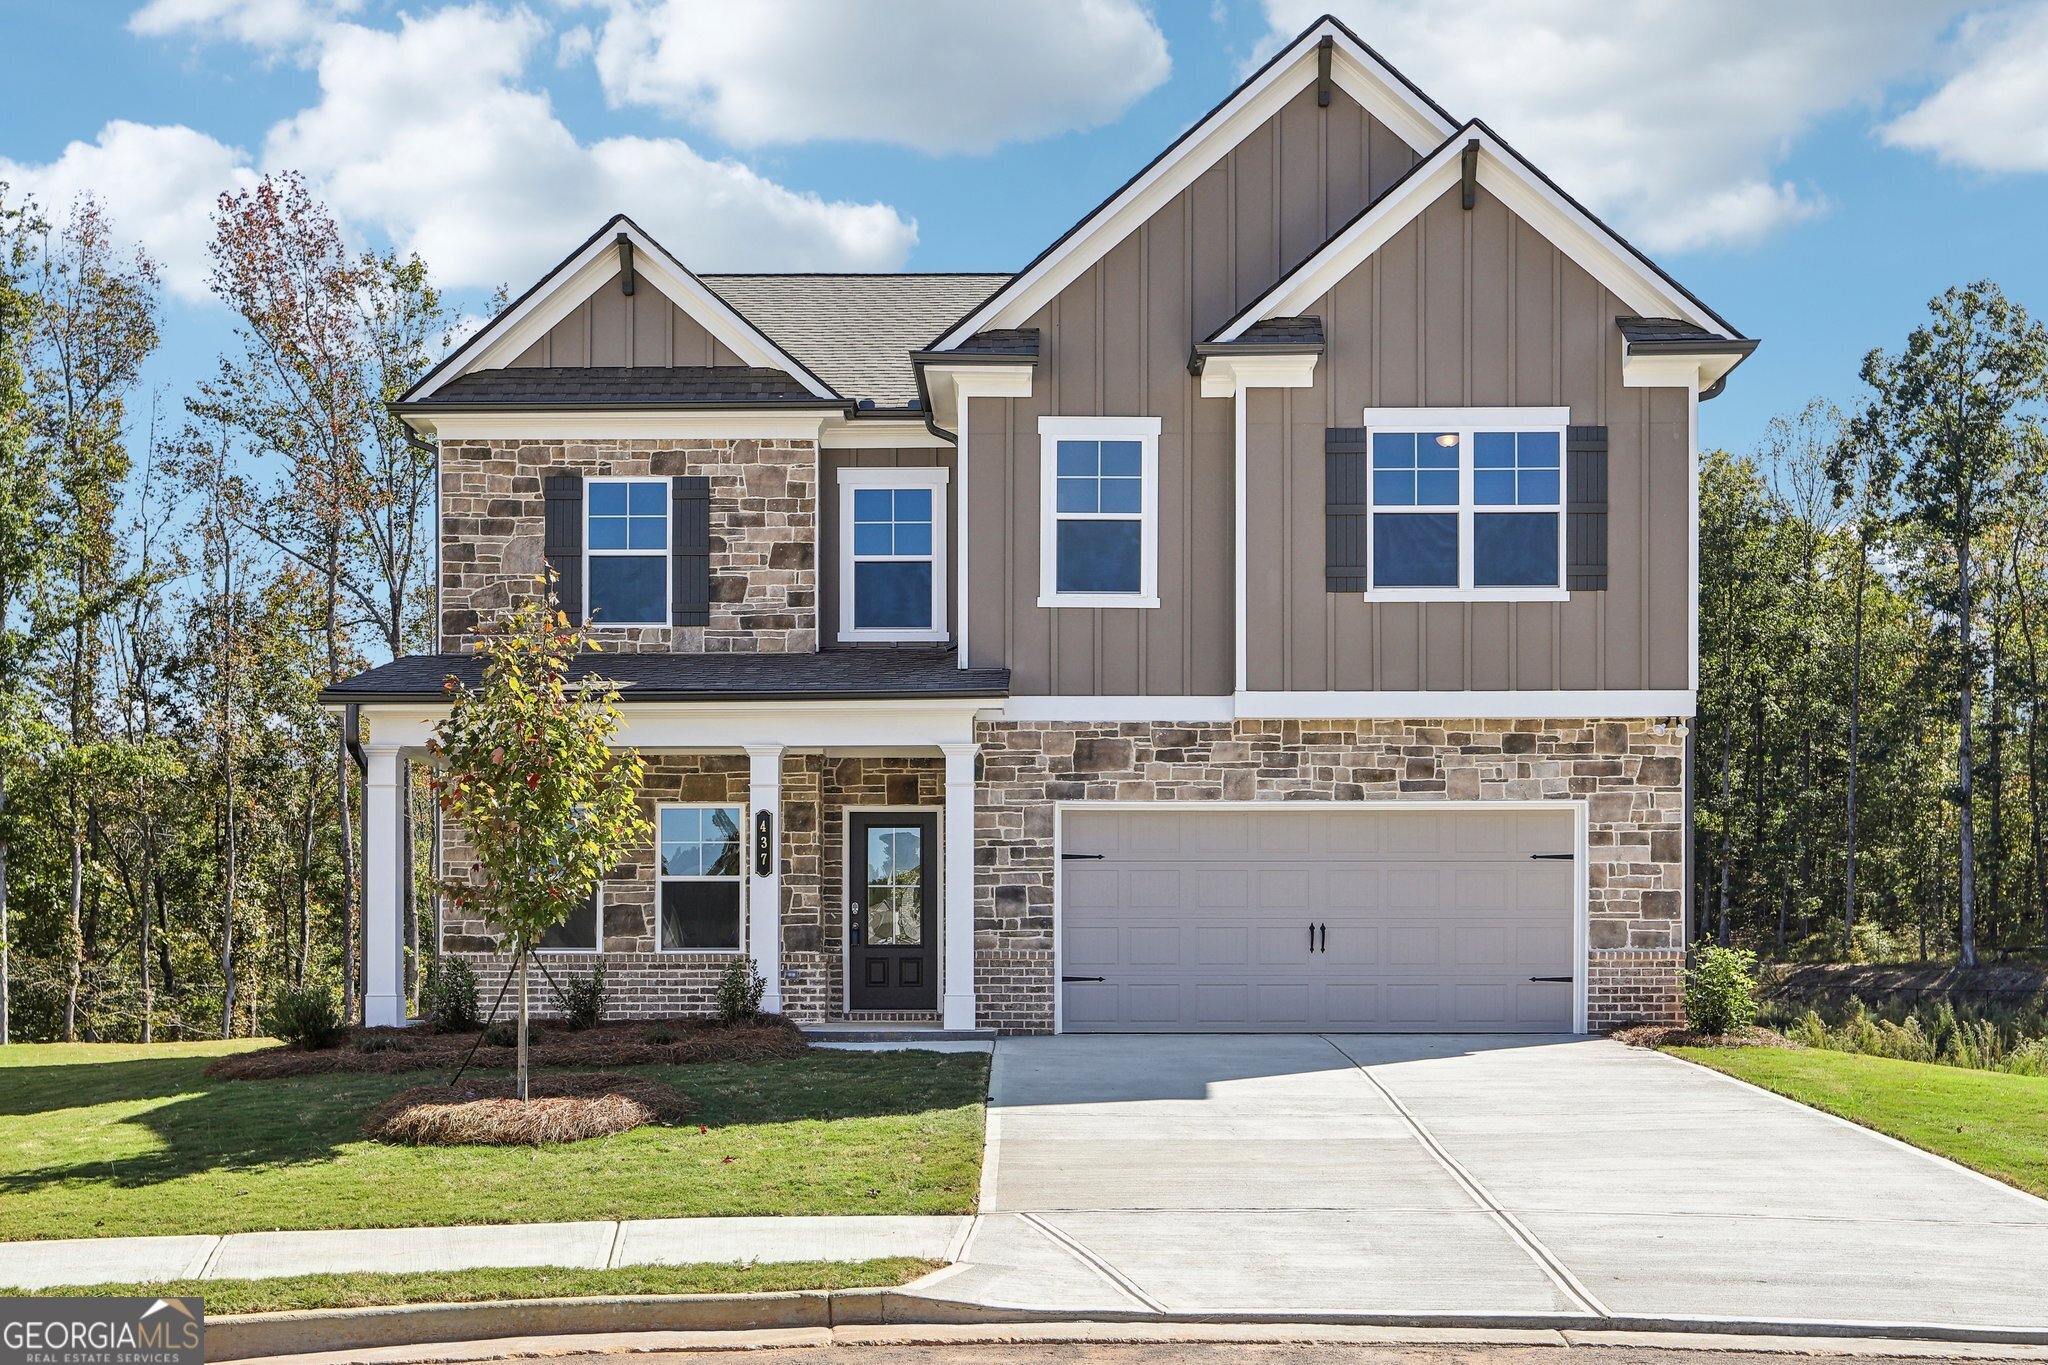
<point x="505" y="1033"/>
<point x="380" y="1042"/>
<point x="738" y="997"/>
<point x="661" y="1035"/>
<point x="1720" y="990"/>
<point x="449" y="1000"/>
<point x="582" y="1000"/>
<point x="306" y="1017"/>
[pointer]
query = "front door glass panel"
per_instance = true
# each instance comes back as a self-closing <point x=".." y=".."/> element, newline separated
<point x="895" y="885"/>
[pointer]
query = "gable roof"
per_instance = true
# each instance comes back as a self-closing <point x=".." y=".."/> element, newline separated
<point x="856" y="332"/>
<point x="1597" y="248"/>
<point x="582" y="273"/>
<point x="1354" y="67"/>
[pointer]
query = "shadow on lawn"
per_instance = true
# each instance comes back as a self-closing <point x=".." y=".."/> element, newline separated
<point x="208" y="1124"/>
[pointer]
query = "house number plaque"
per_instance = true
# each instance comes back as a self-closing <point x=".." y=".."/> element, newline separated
<point x="764" y="843"/>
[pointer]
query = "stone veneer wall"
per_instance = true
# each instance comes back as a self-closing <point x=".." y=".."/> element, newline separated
<point x="1631" y="773"/>
<point x="644" y="983"/>
<point x="764" y="534"/>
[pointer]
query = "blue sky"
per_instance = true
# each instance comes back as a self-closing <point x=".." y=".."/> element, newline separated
<point x="1814" y="171"/>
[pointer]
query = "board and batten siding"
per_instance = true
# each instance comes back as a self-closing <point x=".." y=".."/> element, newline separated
<point x="1469" y="309"/>
<point x="831" y="534"/>
<point x="611" y="328"/>
<point x="1115" y="342"/>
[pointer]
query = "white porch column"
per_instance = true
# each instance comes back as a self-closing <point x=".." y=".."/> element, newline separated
<point x="957" y="874"/>
<point x="383" y="892"/>
<point x="764" y="890"/>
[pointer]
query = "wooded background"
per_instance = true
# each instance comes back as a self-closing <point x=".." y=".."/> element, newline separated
<point x="181" y="574"/>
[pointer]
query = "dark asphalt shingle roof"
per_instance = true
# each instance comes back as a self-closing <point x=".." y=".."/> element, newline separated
<point x="828" y="674"/>
<point x="610" y="385"/>
<point x="1301" y="331"/>
<point x="1674" y="333"/>
<point x="1001" y="341"/>
<point x="856" y="332"/>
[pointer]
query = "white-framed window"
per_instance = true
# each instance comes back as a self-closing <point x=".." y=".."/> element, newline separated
<point x="582" y="931"/>
<point x="625" y="551"/>
<point x="1098" y="512"/>
<point x="1466" y="504"/>
<point x="700" y="868"/>
<point x="892" y="554"/>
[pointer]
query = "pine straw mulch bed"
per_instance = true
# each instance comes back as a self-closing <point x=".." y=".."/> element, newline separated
<point x="566" y="1107"/>
<point x="387" y="1051"/>
<point x="1677" y="1035"/>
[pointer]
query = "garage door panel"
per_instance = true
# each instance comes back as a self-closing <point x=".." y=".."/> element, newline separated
<point x="1432" y="920"/>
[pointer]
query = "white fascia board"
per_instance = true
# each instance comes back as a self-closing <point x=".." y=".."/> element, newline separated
<point x="841" y="434"/>
<point x="590" y="270"/>
<point x="1352" y="69"/>
<point x="1519" y="705"/>
<point x="653" y="424"/>
<point x="1225" y="376"/>
<point x="952" y="385"/>
<point x="1591" y="246"/>
<point x="1114" y="710"/>
<point x="1671" y="370"/>
<point x="730" y="727"/>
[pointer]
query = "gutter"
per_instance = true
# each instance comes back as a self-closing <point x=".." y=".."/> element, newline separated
<point x="353" y="700"/>
<point x="405" y="410"/>
<point x="352" y="735"/>
<point x="1199" y="356"/>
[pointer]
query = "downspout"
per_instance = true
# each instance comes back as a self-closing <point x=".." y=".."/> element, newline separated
<point x="352" y="736"/>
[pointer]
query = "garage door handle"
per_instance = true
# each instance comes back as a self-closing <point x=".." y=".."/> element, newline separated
<point x="1550" y="978"/>
<point x="1071" y="857"/>
<point x="1084" y="978"/>
<point x="1553" y="857"/>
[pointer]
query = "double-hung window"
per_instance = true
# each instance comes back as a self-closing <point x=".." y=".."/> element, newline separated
<point x="1467" y="504"/>
<point x="626" y="540"/>
<point x="581" y="930"/>
<point x="892" y="554"/>
<point x="699" y="878"/>
<point x="1099" y="500"/>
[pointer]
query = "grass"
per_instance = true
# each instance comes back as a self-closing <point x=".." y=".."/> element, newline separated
<point x="109" y="1140"/>
<point x="1986" y="1120"/>
<point x="368" y="1290"/>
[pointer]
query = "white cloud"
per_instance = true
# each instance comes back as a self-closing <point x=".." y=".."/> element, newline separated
<point x="259" y="23"/>
<point x="1668" y="120"/>
<point x="158" y="184"/>
<point x="1992" y="114"/>
<point x="936" y="75"/>
<point x="427" y="133"/>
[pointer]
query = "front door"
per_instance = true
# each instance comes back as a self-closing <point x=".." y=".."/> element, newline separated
<point x="890" y="928"/>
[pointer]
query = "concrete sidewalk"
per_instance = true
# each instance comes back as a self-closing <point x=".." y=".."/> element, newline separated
<point x="579" y="1246"/>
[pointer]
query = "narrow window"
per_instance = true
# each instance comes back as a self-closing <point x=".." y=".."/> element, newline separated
<point x="892" y="559"/>
<point x="699" y="881"/>
<point x="1100" y="544"/>
<point x="626" y="540"/>
<point x="579" y="932"/>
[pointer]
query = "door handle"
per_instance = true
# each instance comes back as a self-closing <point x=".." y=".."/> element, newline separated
<point x="1325" y="945"/>
<point x="1550" y="978"/>
<point x="1311" y="937"/>
<point x="1084" y="978"/>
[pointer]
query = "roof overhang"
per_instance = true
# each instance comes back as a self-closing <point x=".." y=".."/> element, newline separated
<point x="1353" y="67"/>
<point x="720" y="725"/>
<point x="500" y="423"/>
<point x="1703" y="364"/>
<point x="949" y="379"/>
<point x="588" y="269"/>
<point x="1226" y="371"/>
<point x="1505" y="174"/>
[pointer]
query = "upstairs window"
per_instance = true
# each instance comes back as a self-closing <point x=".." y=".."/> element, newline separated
<point x="1099" y="490"/>
<point x="626" y="544"/>
<point x="1467" y="504"/>
<point x="892" y="554"/>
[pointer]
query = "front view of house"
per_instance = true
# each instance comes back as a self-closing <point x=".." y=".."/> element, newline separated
<point x="1274" y="608"/>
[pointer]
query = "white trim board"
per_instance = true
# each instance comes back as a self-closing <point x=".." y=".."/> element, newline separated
<point x="1354" y="69"/>
<point x="1169" y="710"/>
<point x="853" y="478"/>
<point x="589" y="269"/>
<point x="570" y="425"/>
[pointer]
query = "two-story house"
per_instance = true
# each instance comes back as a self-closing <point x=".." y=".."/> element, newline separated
<point x="1272" y="608"/>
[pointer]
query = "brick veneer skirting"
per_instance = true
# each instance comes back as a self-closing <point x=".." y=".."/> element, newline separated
<point x="1630" y="773"/>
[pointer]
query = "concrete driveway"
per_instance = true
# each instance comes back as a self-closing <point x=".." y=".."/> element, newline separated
<point x="1528" y="1179"/>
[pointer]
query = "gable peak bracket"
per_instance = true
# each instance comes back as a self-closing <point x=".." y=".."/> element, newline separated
<point x="626" y="262"/>
<point x="1324" y="50"/>
<point x="1470" y="174"/>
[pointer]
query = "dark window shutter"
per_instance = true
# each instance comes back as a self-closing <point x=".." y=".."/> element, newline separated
<point x="562" y="540"/>
<point x="1344" y="509"/>
<point x="690" y="550"/>
<point x="1585" y="509"/>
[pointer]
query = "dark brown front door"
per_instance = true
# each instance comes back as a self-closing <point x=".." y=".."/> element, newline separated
<point x="890" y="895"/>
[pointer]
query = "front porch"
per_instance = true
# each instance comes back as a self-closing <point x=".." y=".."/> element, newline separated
<point x="832" y="841"/>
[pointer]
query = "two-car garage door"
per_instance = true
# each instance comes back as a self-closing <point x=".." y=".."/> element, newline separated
<point x="1314" y="918"/>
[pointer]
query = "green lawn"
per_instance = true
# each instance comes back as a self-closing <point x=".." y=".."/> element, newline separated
<point x="224" y="1297"/>
<point x="1987" y="1120"/>
<point x="107" y="1140"/>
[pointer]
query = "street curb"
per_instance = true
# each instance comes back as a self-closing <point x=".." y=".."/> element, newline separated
<point x="353" y="1329"/>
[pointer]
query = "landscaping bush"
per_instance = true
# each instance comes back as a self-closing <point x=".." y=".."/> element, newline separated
<point x="1720" y="990"/>
<point x="449" y="1000"/>
<point x="505" y="1033"/>
<point x="305" y="1017"/>
<point x="562" y="1108"/>
<point x="582" y="1000"/>
<point x="738" y="997"/>
<point x="1945" y="1034"/>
